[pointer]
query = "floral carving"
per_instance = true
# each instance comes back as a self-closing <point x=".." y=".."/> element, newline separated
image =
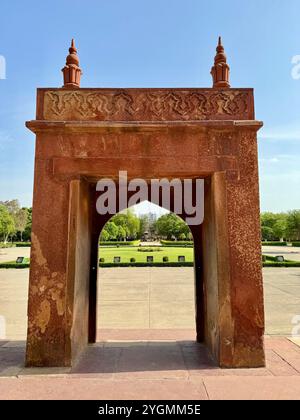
<point x="147" y="105"/>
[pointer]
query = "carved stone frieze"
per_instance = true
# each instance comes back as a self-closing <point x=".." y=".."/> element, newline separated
<point x="147" y="105"/>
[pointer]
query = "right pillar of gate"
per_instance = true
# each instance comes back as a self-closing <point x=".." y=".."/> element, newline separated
<point x="232" y="267"/>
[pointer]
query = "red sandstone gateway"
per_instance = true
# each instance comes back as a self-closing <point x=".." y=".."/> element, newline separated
<point x="83" y="135"/>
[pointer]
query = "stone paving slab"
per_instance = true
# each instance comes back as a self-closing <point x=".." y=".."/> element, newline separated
<point x="106" y="334"/>
<point x="295" y="340"/>
<point x="152" y="370"/>
<point x="252" y="388"/>
<point x="97" y="389"/>
<point x="220" y="388"/>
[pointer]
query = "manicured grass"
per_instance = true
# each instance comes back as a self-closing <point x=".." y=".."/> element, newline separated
<point x="15" y="244"/>
<point x="277" y="243"/>
<point x="121" y="243"/>
<point x="141" y="257"/>
<point x="128" y="252"/>
<point x="13" y="264"/>
<point x="177" y="243"/>
<point x="271" y="261"/>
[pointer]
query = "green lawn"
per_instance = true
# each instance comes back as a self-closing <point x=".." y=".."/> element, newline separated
<point x="127" y="252"/>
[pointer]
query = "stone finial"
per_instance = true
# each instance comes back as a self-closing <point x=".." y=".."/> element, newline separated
<point x="220" y="70"/>
<point x="72" y="71"/>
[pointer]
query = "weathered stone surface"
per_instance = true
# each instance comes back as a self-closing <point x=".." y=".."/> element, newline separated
<point x="145" y="104"/>
<point x="86" y="134"/>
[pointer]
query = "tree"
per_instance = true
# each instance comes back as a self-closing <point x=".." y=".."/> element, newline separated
<point x="27" y="232"/>
<point x="152" y="224"/>
<point x="110" y="231"/>
<point x="21" y="218"/>
<point x="293" y="225"/>
<point x="7" y="224"/>
<point x="13" y="206"/>
<point x="273" y="225"/>
<point x="133" y="224"/>
<point x="267" y="233"/>
<point x="129" y="222"/>
<point x="104" y="237"/>
<point x="122" y="233"/>
<point x="120" y="219"/>
<point x="280" y="226"/>
<point x="19" y="215"/>
<point x="144" y="225"/>
<point x="169" y="226"/>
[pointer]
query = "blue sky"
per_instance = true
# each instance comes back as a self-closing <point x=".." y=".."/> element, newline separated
<point x="154" y="43"/>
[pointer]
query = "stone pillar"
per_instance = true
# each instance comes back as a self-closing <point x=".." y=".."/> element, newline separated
<point x="80" y="234"/>
<point x="233" y="291"/>
<point x="59" y="272"/>
<point x="244" y="239"/>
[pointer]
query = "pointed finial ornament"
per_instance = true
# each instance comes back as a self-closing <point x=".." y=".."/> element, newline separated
<point x="220" y="70"/>
<point x="72" y="71"/>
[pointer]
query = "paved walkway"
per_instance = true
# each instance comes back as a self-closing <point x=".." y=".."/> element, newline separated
<point x="155" y="298"/>
<point x="11" y="254"/>
<point x="289" y="253"/>
<point x="152" y="370"/>
<point x="147" y="348"/>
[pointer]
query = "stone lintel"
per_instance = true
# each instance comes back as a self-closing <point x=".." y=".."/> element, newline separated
<point x="37" y="126"/>
<point x="147" y="167"/>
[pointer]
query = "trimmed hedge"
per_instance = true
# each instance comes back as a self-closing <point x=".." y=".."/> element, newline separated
<point x="159" y="264"/>
<point x="15" y="245"/>
<point x="275" y="243"/>
<point x="278" y="243"/>
<point x="14" y="265"/>
<point x="7" y="245"/>
<point x="269" y="258"/>
<point x="157" y="249"/>
<point x="177" y="243"/>
<point x="281" y="264"/>
<point x="146" y="264"/>
<point x="120" y="243"/>
<point x="269" y="261"/>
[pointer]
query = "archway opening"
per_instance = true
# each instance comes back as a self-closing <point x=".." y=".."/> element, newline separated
<point x="146" y="277"/>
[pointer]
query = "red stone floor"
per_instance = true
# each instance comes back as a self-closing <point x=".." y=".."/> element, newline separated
<point x="151" y="364"/>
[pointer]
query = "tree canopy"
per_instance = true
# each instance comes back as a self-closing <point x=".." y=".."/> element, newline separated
<point x="278" y="226"/>
<point x="7" y="224"/>
<point x="14" y="221"/>
<point x="122" y="226"/>
<point x="171" y="226"/>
